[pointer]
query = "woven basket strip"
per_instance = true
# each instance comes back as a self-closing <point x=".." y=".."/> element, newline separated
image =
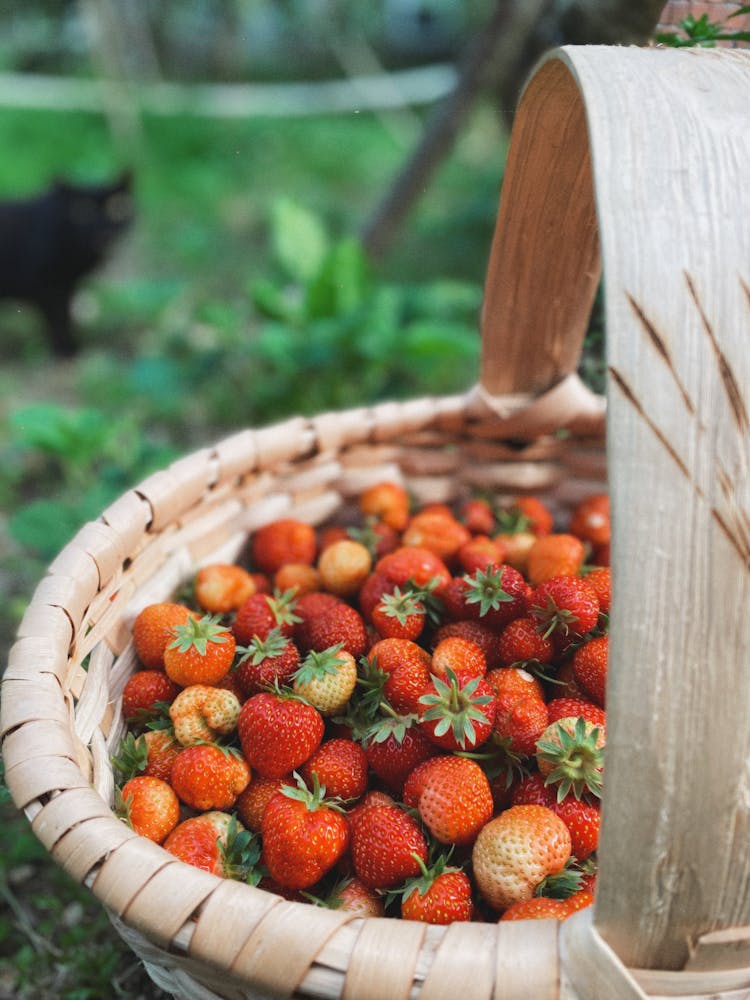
<point x="285" y="944"/>
<point x="236" y="455"/>
<point x="128" y="517"/>
<point x="465" y="955"/>
<point x="416" y="461"/>
<point x="228" y="917"/>
<point x="199" y="469"/>
<point x="383" y="960"/>
<point x="44" y="621"/>
<point x="123" y="667"/>
<point x="126" y="871"/>
<point x="44" y="655"/>
<point x="729" y="984"/>
<point x="316" y="509"/>
<point x="66" y="810"/>
<point x="391" y="420"/>
<point x="84" y="846"/>
<point x="527" y="960"/>
<point x="167" y="496"/>
<point x="38" y="739"/>
<point x="595" y="969"/>
<point x="31" y="778"/>
<point x="357" y="478"/>
<point x="283" y="442"/>
<point x="516" y="477"/>
<point x="105" y="546"/>
<point x="435" y="489"/>
<point x="108" y="626"/>
<point x="35" y="696"/>
<point x="94" y="697"/>
<point x="318" y="472"/>
<point x="77" y="563"/>
<point x="102" y="779"/>
<point x="195" y="887"/>
<point x="172" y="569"/>
<point x="332" y="433"/>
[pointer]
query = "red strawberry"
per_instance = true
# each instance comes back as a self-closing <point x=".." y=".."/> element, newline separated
<point x="458" y="713"/>
<point x="528" y="513"/>
<point x="554" y="555"/>
<point x="565" y="605"/>
<point x="303" y="835"/>
<point x="569" y="755"/>
<point x="207" y="777"/>
<point x="495" y="595"/>
<point x="201" y="652"/>
<point x="455" y="800"/>
<point x="222" y="587"/>
<point x="538" y="908"/>
<point x="413" y="564"/>
<point x="462" y="656"/>
<point x="478" y="516"/>
<point x="353" y="896"/>
<point x="252" y="802"/>
<point x="601" y="580"/>
<point x="286" y="540"/>
<point x="437" y="531"/>
<point x="278" y="733"/>
<point x="142" y="692"/>
<point x="394" y="747"/>
<point x="372" y="798"/>
<point x="561" y="708"/>
<point x="201" y="714"/>
<point x="341" y="766"/>
<point x="521" y="642"/>
<point x="406" y="667"/>
<point x="399" y="615"/>
<point x="216" y="843"/>
<point x="297" y="579"/>
<point x="371" y="593"/>
<point x="152" y="631"/>
<point x="386" y="846"/>
<point x="438" y="895"/>
<point x="520" y="726"/>
<point x="590" y="519"/>
<point x="266" y="662"/>
<point x="480" y="552"/>
<point x="262" y="613"/>
<point x="332" y="624"/>
<point x="476" y="632"/>
<point x="590" y="668"/>
<point x="515" y="851"/>
<point x="510" y="684"/>
<point x="161" y="751"/>
<point x="149" y="806"/>
<point x="388" y="502"/>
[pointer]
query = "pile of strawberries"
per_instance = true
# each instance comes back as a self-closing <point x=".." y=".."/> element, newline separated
<point x="405" y="716"/>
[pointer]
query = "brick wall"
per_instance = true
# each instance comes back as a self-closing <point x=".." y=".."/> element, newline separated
<point x="717" y="10"/>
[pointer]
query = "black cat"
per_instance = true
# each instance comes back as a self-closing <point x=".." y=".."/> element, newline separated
<point x="48" y="243"/>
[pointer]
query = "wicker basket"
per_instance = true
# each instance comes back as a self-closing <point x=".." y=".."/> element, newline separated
<point x="646" y="152"/>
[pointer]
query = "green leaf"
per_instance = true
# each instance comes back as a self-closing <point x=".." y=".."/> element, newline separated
<point x="45" y="526"/>
<point x="298" y="239"/>
<point x="342" y="282"/>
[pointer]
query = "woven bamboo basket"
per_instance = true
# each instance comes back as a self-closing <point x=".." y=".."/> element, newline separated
<point x="637" y="158"/>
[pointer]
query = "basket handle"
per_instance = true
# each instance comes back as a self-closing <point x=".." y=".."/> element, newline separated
<point x="643" y="155"/>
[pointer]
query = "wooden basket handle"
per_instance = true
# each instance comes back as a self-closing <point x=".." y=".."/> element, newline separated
<point x="644" y="155"/>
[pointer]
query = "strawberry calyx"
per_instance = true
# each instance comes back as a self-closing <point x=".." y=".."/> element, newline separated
<point x="367" y="535"/>
<point x="423" y="882"/>
<point x="389" y="724"/>
<point x="122" y="806"/>
<point x="240" y="853"/>
<point x="259" y="649"/>
<point x="485" y="588"/>
<point x="282" y="605"/>
<point x="318" y="665"/>
<point x="577" y="760"/>
<point x="132" y="758"/>
<point x="552" y="618"/>
<point x="512" y="521"/>
<point x="455" y="707"/>
<point x="160" y="717"/>
<point x="401" y="605"/>
<point x="496" y="757"/>
<point x="425" y="594"/>
<point x="197" y="633"/>
<point x="372" y="679"/>
<point x="313" y="798"/>
<point x="562" y="884"/>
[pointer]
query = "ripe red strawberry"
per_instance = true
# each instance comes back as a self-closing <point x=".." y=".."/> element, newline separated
<point x="521" y="725"/>
<point x="474" y="631"/>
<point x="266" y="662"/>
<point x="332" y="624"/>
<point x="278" y="733"/>
<point x="521" y="642"/>
<point x="386" y="845"/>
<point x="590" y="519"/>
<point x="561" y="708"/>
<point x="303" y="835"/>
<point x="149" y="806"/>
<point x="341" y="766"/>
<point x="515" y="851"/>
<point x="462" y="656"/>
<point x="437" y="531"/>
<point x="296" y="578"/>
<point x="538" y="908"/>
<point x="222" y="587"/>
<point x="214" y="842"/>
<point x="438" y="895"/>
<point x="201" y="652"/>
<point x="152" y="631"/>
<point x="201" y="714"/>
<point x="590" y="668"/>
<point x="480" y="552"/>
<point x="554" y="555"/>
<point x="372" y="591"/>
<point x="565" y="605"/>
<point x="207" y="777"/>
<point x="457" y="713"/>
<point x="414" y="565"/>
<point x="455" y="800"/>
<point x="344" y="566"/>
<point x="394" y="747"/>
<point x="528" y="513"/>
<point x="388" y="502"/>
<point x="142" y="692"/>
<point x="161" y="750"/>
<point x="569" y="755"/>
<point x="371" y="798"/>
<point x="353" y="896"/>
<point x="262" y="613"/>
<point x="399" y="615"/>
<point x="581" y="816"/>
<point x="601" y="580"/>
<point x="495" y="595"/>
<point x="406" y="667"/>
<point x="510" y="684"/>
<point x="252" y="802"/>
<point x="326" y="679"/>
<point x="286" y="540"/>
<point x="478" y="516"/>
